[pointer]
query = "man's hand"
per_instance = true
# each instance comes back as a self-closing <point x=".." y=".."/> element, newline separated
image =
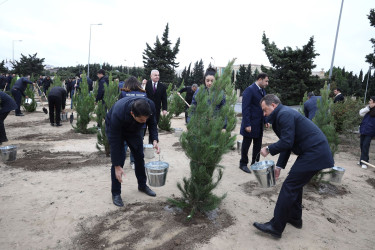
<point x="165" y="112"/>
<point x="178" y="93"/>
<point x="277" y="172"/>
<point x="267" y="125"/>
<point x="118" y="173"/>
<point x="264" y="152"/>
<point x="156" y="146"/>
<point x="248" y="129"/>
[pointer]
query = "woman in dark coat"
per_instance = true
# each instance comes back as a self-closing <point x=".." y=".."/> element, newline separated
<point x="7" y="104"/>
<point x="367" y="129"/>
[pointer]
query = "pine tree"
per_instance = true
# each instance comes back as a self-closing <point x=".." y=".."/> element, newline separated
<point x="29" y="92"/>
<point x="175" y="104"/>
<point x="370" y="58"/>
<point x="162" y="57"/>
<point x="28" y="65"/>
<point x="84" y="104"/>
<point x="111" y="94"/>
<point x="165" y="120"/>
<point x="242" y="79"/>
<point x="205" y="143"/>
<point x="197" y="74"/>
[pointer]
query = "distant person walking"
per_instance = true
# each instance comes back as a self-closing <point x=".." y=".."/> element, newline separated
<point x="339" y="97"/>
<point x="310" y="106"/>
<point x="18" y="91"/>
<point x="367" y="130"/>
<point x="190" y="90"/>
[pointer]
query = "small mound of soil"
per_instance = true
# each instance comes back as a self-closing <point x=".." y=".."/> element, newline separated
<point x="371" y="182"/>
<point x="149" y="226"/>
<point x="252" y="188"/>
<point x="28" y="124"/>
<point x="38" y="160"/>
<point x="326" y="190"/>
<point x="177" y="146"/>
<point x="69" y="135"/>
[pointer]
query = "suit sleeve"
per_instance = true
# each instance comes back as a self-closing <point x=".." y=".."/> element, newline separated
<point x="164" y="102"/>
<point x="283" y="158"/>
<point x="305" y="110"/>
<point x="113" y="131"/>
<point x="100" y="94"/>
<point x="287" y="133"/>
<point x="183" y="90"/>
<point x="152" y="126"/>
<point x="246" y="107"/>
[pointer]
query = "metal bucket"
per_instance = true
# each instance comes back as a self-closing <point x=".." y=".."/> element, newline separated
<point x="28" y="101"/>
<point x="178" y="132"/>
<point x="148" y="151"/>
<point x="239" y="147"/>
<point x="8" y="153"/>
<point x="265" y="173"/>
<point x="337" y="173"/>
<point x="156" y="173"/>
<point x="64" y="117"/>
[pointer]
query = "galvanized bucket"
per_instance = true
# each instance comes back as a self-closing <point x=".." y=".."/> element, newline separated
<point x="28" y="101"/>
<point x="148" y="151"/>
<point x="156" y="173"/>
<point x="64" y="117"/>
<point x="337" y="173"/>
<point x="8" y="153"/>
<point x="178" y="132"/>
<point x="239" y="147"/>
<point x="264" y="171"/>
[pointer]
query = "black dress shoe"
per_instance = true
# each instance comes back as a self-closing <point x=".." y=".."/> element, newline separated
<point x="20" y="114"/>
<point x="5" y="140"/>
<point x="295" y="223"/>
<point x="147" y="190"/>
<point x="52" y="124"/>
<point x="117" y="200"/>
<point x="267" y="228"/>
<point x="245" y="169"/>
<point x="58" y="124"/>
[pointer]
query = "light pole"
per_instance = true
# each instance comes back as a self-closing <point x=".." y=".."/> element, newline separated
<point x="88" y="64"/>
<point x="13" y="47"/>
<point x="368" y="77"/>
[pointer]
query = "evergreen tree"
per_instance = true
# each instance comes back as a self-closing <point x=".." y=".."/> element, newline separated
<point x="186" y="75"/>
<point x="111" y="94"/>
<point x="84" y="104"/>
<point x="205" y="142"/>
<point x="242" y="79"/>
<point x="370" y="58"/>
<point x="29" y="92"/>
<point x="162" y="57"/>
<point x="28" y="65"/>
<point x="175" y="104"/>
<point x="165" y="120"/>
<point x="197" y="74"/>
<point x="3" y="69"/>
<point x="291" y="72"/>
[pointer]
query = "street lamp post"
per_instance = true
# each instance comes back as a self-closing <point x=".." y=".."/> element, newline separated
<point x="88" y="64"/>
<point x="368" y="77"/>
<point x="13" y="48"/>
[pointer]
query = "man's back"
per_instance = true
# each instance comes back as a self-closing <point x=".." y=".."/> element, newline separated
<point x="311" y="106"/>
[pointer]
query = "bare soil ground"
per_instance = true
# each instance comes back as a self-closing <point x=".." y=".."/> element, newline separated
<point x="56" y="195"/>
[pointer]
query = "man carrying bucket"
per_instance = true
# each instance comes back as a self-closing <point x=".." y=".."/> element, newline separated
<point x="124" y="122"/>
<point x="301" y="136"/>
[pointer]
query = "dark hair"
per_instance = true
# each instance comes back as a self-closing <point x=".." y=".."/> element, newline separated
<point x="262" y="76"/>
<point x="132" y="84"/>
<point x="339" y="90"/>
<point x="141" y="107"/>
<point x="209" y="72"/>
<point x="310" y="94"/>
<point x="373" y="98"/>
<point x="101" y="71"/>
<point x="269" y="99"/>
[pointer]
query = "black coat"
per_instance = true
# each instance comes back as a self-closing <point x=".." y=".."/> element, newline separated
<point x="59" y="92"/>
<point x="102" y="80"/>
<point x="310" y="106"/>
<point x="7" y="103"/>
<point x="189" y="93"/>
<point x="120" y="124"/>
<point x="47" y="83"/>
<point x="301" y="136"/>
<point x="21" y="84"/>
<point x="3" y="81"/>
<point x="339" y="98"/>
<point x="159" y="97"/>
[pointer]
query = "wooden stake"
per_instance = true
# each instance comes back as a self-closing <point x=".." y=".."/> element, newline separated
<point x="368" y="164"/>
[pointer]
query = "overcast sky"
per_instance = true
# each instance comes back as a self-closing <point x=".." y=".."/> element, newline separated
<point x="58" y="30"/>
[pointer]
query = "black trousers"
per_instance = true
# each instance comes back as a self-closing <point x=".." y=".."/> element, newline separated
<point x="54" y="102"/>
<point x="289" y="202"/>
<point x="246" y="142"/>
<point x="135" y="144"/>
<point x="18" y="98"/>
<point x="365" y="141"/>
<point x="3" y="135"/>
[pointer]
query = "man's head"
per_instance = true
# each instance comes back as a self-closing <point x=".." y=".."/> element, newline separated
<point x="100" y="73"/>
<point x="372" y="102"/>
<point x="140" y="110"/>
<point x="310" y="94"/>
<point x="269" y="103"/>
<point x="194" y="87"/>
<point x="337" y="91"/>
<point x="155" y="75"/>
<point x="262" y="80"/>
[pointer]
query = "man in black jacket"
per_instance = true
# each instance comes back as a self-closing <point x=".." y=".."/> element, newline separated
<point x="102" y="79"/>
<point x="18" y="91"/>
<point x="338" y="96"/>
<point x="46" y="84"/>
<point x="56" y="100"/>
<point x="157" y="92"/>
<point x="301" y="136"/>
<point x="189" y="97"/>
<point x="124" y="122"/>
<point x="7" y="104"/>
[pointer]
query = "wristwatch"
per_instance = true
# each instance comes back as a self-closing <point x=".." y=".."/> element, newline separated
<point x="268" y="149"/>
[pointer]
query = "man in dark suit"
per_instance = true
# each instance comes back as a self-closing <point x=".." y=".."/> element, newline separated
<point x="124" y="122"/>
<point x="18" y="91"/>
<point x="157" y="92"/>
<point x="102" y="79"/>
<point x="301" y="136"/>
<point x="310" y="106"/>
<point x="7" y="104"/>
<point x="252" y="120"/>
<point x="338" y="96"/>
<point x="56" y="100"/>
<point x="190" y="90"/>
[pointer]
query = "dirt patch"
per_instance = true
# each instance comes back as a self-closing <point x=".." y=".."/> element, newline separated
<point x="177" y="146"/>
<point x="69" y="135"/>
<point x="371" y="181"/>
<point x="149" y="226"/>
<point x="326" y="190"/>
<point x="252" y="188"/>
<point x="28" y="124"/>
<point x="37" y="160"/>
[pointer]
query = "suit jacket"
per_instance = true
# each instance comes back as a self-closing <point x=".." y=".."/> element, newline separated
<point x="159" y="97"/>
<point x="189" y="93"/>
<point x="21" y="84"/>
<point x="310" y="107"/>
<point x="100" y="94"/>
<point x="339" y="98"/>
<point x="59" y="92"/>
<point x="301" y="136"/>
<point x="252" y="114"/>
<point x="7" y="103"/>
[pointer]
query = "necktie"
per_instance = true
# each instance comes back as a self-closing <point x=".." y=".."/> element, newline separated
<point x="154" y="87"/>
<point x="261" y="91"/>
